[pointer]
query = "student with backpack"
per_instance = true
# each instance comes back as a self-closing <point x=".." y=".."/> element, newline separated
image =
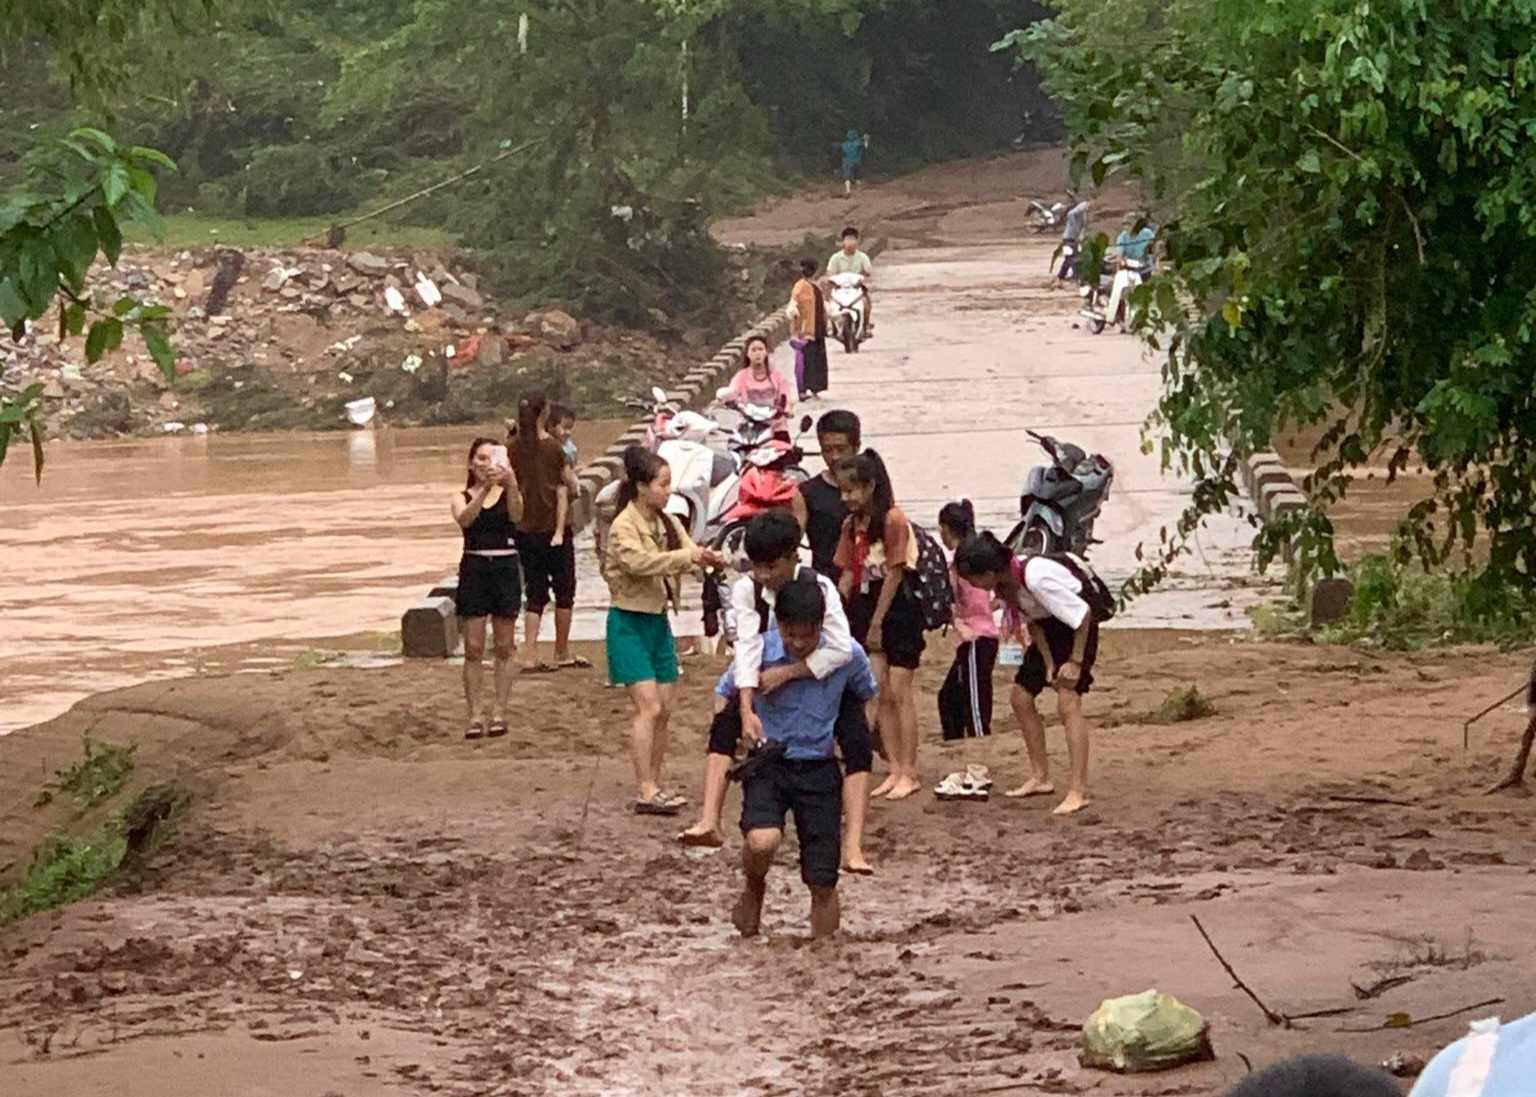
<point x="878" y="550"/>
<point x="1055" y="603"/>
<point x="772" y="544"/>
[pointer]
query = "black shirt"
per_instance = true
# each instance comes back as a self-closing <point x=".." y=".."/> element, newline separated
<point x="824" y="523"/>
<point x="492" y="529"/>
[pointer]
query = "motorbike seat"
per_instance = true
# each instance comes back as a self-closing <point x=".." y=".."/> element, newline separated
<point x="722" y="468"/>
<point x="1053" y="489"/>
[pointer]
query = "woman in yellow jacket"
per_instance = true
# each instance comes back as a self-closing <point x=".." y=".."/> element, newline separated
<point x="647" y="553"/>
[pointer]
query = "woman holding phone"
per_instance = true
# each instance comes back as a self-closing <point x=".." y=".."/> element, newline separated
<point x="490" y="580"/>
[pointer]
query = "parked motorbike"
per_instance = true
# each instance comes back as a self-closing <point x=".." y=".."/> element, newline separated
<point x="1109" y="300"/>
<point x="1061" y="501"/>
<point x="1044" y="218"/>
<point x="845" y="312"/>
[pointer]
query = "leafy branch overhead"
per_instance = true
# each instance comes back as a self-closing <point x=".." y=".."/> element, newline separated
<point x="79" y="193"/>
<point x="1344" y="194"/>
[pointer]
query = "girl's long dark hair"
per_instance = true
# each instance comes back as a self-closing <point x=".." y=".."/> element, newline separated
<point x="868" y="469"/>
<point x="959" y="518"/>
<point x="529" y="411"/>
<point x="641" y="466"/>
<point x="983" y="554"/>
<point x="474" y="447"/>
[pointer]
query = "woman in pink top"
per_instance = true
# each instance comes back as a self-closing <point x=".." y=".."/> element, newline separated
<point x="757" y="382"/>
<point x="965" y="699"/>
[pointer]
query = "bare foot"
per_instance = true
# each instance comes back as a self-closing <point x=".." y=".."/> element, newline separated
<point x="1075" y="801"/>
<point x="856" y="863"/>
<point x="884" y="787"/>
<point x="702" y="836"/>
<point x="903" y="788"/>
<point x="748" y="914"/>
<point x="1033" y="787"/>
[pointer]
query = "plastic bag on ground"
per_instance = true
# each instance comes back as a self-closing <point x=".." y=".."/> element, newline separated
<point x="1144" y="1032"/>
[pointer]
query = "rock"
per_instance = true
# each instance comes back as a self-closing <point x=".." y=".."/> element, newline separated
<point x="291" y="293"/>
<point x="368" y="264"/>
<point x="275" y="281"/>
<point x="53" y="389"/>
<point x="179" y="293"/>
<point x="556" y="327"/>
<point x="345" y="284"/>
<point x="462" y="296"/>
<point x="360" y="300"/>
<point x="222" y="321"/>
<point x="1420" y="861"/>
<point x="457" y="316"/>
<point x="1331" y="599"/>
<point x="491" y="349"/>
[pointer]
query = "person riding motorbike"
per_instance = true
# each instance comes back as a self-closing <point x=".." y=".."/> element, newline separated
<point x="1133" y="243"/>
<point x="850" y="260"/>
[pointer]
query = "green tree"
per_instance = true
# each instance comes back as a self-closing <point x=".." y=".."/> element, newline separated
<point x="77" y="193"/>
<point x="1349" y="228"/>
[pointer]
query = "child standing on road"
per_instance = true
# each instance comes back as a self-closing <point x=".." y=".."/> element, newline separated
<point x="562" y="422"/>
<point x="965" y="699"/>
<point x="877" y="550"/>
<point x="1045" y="601"/>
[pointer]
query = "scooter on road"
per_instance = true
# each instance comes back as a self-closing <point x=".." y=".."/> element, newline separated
<point x="847" y="309"/>
<point x="1061" y="501"/>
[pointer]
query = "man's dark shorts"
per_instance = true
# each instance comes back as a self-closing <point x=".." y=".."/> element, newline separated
<point x="1061" y="636"/>
<point x="548" y="567"/>
<point x="810" y="791"/>
<point x="851" y="733"/>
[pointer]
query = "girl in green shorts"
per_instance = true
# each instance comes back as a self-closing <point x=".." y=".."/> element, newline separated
<point x="647" y="551"/>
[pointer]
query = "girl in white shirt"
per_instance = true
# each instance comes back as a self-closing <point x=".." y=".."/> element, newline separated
<point x="1046" y="609"/>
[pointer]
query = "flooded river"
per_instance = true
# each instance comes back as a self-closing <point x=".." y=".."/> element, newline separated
<point x="148" y="558"/>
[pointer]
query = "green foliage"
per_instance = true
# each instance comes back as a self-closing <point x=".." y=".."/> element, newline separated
<point x="1344" y="192"/>
<point x="1182" y="705"/>
<point x="63" y="870"/>
<point x="99" y="775"/>
<point x="1401" y="607"/>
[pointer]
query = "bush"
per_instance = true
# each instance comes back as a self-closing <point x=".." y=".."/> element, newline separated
<point x="1183" y="705"/>
<point x="295" y="181"/>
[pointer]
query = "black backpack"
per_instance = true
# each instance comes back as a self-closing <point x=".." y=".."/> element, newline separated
<point x="1100" y="599"/>
<point x="929" y="582"/>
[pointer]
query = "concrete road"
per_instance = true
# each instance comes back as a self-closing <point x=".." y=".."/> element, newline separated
<point x="971" y="351"/>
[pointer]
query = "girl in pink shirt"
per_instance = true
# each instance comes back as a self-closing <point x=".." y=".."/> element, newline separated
<point x="965" y="699"/>
<point x="757" y="382"/>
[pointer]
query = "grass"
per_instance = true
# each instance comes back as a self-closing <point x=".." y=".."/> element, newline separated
<point x="195" y="230"/>
<point x="1181" y="706"/>
<point x="63" y="870"/>
<point x="1403" y="608"/>
<point x="99" y="775"/>
<point x="1430" y="951"/>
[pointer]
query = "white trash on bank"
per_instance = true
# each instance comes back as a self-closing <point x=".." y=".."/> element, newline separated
<point x="427" y="290"/>
<point x="394" y="299"/>
<point x="361" y="412"/>
<point x="1144" y="1032"/>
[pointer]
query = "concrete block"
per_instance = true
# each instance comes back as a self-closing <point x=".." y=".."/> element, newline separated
<point x="613" y="461"/>
<point x="581" y="509"/>
<point x="430" y="629"/>
<point x="1330" y="601"/>
<point x="1264" y="475"/>
<point x="1276" y="502"/>
<point x="446" y="587"/>
<point x="1248" y="470"/>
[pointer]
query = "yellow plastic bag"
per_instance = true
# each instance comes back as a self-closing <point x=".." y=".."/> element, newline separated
<point x="1144" y="1032"/>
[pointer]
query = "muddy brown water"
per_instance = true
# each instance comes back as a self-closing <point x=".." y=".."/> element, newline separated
<point x="150" y="557"/>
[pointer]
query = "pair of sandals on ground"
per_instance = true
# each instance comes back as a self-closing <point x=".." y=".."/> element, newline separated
<point x="572" y="662"/>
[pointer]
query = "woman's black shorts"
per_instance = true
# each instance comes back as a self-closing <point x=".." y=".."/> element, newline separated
<point x="489" y="586"/>
<point x="901" y="636"/>
<point x="1061" y="637"/>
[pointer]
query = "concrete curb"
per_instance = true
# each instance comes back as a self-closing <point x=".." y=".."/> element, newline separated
<point x="1275" y="494"/>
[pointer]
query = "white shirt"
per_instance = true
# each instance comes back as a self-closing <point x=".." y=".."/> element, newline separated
<point x="836" y="647"/>
<point x="1050" y="590"/>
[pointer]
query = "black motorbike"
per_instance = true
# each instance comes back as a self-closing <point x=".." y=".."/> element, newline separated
<point x="1061" y="500"/>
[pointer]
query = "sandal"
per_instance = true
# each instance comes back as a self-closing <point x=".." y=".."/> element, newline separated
<point x="574" y="662"/>
<point x="658" y="804"/>
<point x="496" y="729"/>
<point x="540" y="668"/>
<point x="476" y="730"/>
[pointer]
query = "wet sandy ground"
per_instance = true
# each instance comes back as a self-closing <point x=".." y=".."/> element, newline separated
<point x="362" y="903"/>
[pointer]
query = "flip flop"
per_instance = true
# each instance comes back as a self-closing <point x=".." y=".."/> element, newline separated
<point x="657" y="805"/>
<point x="476" y="730"/>
<point x="540" y="668"/>
<point x="700" y="841"/>
<point x="575" y="662"/>
<point x="496" y="729"/>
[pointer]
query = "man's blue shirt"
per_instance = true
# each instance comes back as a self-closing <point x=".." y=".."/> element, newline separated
<point x="802" y="714"/>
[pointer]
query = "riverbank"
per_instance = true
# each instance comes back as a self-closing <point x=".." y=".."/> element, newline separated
<point x="497" y="921"/>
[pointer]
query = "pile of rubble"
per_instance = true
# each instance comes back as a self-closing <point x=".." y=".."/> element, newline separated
<point x="302" y="313"/>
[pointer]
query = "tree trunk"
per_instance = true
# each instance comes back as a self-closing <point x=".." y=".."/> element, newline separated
<point x="1516" y="776"/>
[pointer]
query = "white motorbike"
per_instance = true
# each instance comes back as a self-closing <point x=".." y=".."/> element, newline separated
<point x="1043" y="218"/>
<point x="1109" y="302"/>
<point x="846" y="309"/>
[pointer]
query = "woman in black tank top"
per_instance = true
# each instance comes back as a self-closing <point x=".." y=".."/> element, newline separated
<point x="490" y="580"/>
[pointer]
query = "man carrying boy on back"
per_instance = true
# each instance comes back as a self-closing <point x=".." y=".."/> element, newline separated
<point x="796" y="771"/>
<point x="772" y="544"/>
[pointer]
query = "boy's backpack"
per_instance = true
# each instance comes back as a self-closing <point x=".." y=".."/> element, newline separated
<point x="1100" y="599"/>
<point x="929" y="581"/>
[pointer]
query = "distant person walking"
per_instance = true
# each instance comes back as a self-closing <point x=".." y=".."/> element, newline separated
<point x="490" y="581"/>
<point x="544" y="536"/>
<point x="647" y="552"/>
<point x="807" y="313"/>
<point x="852" y="147"/>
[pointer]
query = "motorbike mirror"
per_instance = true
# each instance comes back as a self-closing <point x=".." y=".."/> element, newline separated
<point x="659" y="393"/>
<point x="805" y="423"/>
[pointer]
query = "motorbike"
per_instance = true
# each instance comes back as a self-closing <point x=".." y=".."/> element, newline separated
<point x="845" y="310"/>
<point x="1043" y="218"/>
<point x="1109" y="300"/>
<point x="1061" y="501"/>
